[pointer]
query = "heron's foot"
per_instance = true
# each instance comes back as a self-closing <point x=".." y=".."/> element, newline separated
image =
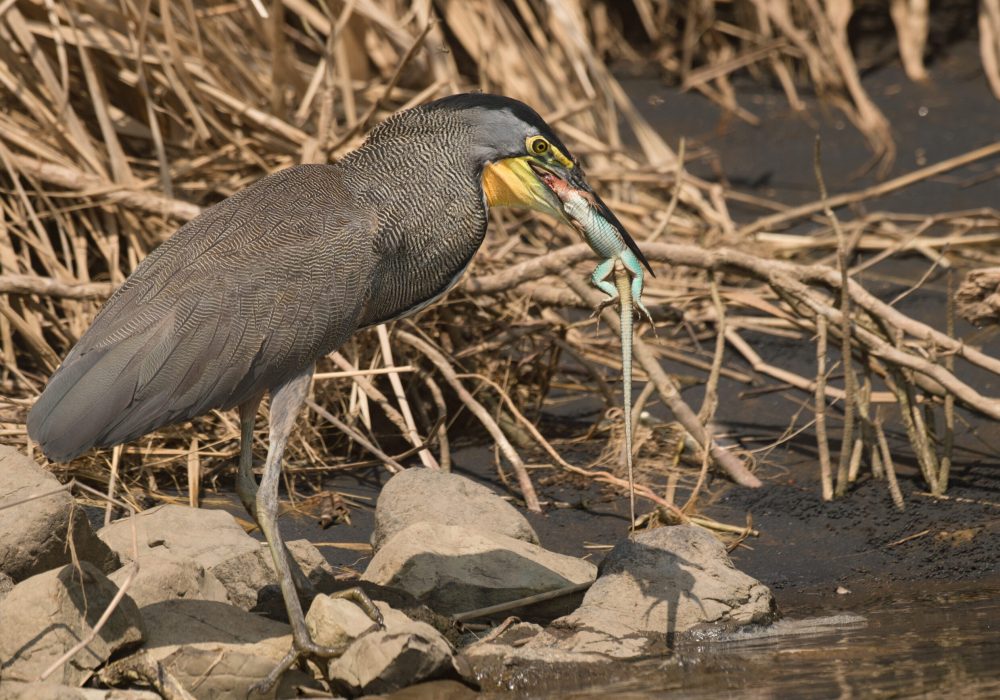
<point x="304" y="647"/>
<point x="361" y="599"/>
<point x="301" y="648"/>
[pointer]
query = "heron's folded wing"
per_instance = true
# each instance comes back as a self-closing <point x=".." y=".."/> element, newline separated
<point x="240" y="299"/>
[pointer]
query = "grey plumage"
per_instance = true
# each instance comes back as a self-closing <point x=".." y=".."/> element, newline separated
<point x="257" y="287"/>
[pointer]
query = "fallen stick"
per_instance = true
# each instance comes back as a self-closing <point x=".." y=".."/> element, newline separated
<point x="522" y="602"/>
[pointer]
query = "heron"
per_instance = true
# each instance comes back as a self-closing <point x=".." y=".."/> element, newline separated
<point x="245" y="298"/>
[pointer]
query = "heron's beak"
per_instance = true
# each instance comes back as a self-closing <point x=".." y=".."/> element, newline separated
<point x="516" y="182"/>
<point x="527" y="182"/>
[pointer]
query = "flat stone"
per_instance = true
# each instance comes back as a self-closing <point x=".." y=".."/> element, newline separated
<point x="382" y="660"/>
<point x="33" y="534"/>
<point x="454" y="569"/>
<point x="246" y="573"/>
<point x="216" y="650"/>
<point x="165" y="576"/>
<point x="658" y="584"/>
<point x="431" y="495"/>
<point x="209" y="537"/>
<point x="47" y="614"/>
<point x="336" y="622"/>
<point x="214" y="540"/>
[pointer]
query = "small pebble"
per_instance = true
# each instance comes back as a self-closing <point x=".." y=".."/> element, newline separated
<point x="842" y="591"/>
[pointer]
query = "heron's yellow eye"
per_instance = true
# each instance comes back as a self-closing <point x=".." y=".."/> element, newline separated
<point x="538" y="145"/>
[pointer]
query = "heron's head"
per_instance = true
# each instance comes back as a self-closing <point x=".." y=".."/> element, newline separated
<point x="519" y="158"/>
<point x="515" y="152"/>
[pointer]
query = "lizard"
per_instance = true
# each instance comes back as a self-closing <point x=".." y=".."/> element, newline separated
<point x="621" y="259"/>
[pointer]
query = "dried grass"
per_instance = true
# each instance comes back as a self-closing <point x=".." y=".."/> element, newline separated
<point x="121" y="121"/>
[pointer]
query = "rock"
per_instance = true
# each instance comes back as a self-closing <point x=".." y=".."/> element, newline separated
<point x="383" y="660"/>
<point x="335" y="622"/>
<point x="658" y="584"/>
<point x="534" y="671"/>
<point x="164" y="576"/>
<point x="209" y="537"/>
<point x="245" y="574"/>
<point x="6" y="584"/>
<point x="33" y="534"/>
<point x="455" y="569"/>
<point x="46" y="691"/>
<point x="431" y="495"/>
<point x="438" y="690"/>
<point x="213" y="539"/>
<point x="217" y="650"/>
<point x="45" y="615"/>
<point x="652" y="587"/>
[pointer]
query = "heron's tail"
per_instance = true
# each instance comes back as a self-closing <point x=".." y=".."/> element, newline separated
<point x="87" y="398"/>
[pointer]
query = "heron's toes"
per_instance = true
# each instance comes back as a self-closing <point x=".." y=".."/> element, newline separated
<point x="361" y="599"/>
<point x="301" y="648"/>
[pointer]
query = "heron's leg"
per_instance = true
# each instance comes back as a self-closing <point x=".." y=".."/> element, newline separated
<point x="246" y="486"/>
<point x="286" y="401"/>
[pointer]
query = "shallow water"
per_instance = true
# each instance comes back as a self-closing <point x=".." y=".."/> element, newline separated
<point x="921" y="643"/>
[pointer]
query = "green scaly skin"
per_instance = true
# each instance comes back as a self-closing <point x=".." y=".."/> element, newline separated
<point x="627" y="291"/>
<point x="618" y="261"/>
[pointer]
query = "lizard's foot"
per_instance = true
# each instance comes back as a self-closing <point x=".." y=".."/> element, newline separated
<point x="610" y="301"/>
<point x="304" y="647"/>
<point x="644" y="313"/>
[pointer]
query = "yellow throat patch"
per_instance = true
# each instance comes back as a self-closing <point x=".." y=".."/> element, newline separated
<point x="508" y="183"/>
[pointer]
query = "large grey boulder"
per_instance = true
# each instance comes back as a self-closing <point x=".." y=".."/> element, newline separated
<point x="216" y="650"/>
<point x="663" y="582"/>
<point x="208" y="536"/>
<point x="431" y="495"/>
<point x="404" y="652"/>
<point x="165" y="576"/>
<point x="244" y="574"/>
<point x="216" y="542"/>
<point x="47" y="614"/>
<point x="651" y="587"/>
<point x="33" y="534"/>
<point x="454" y="569"/>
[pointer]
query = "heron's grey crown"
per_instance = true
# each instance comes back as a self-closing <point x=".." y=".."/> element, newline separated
<point x="497" y="125"/>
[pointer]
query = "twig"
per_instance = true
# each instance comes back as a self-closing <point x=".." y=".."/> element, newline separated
<point x="404" y="406"/>
<point x="391" y="464"/>
<point x="822" y="443"/>
<point x="522" y="602"/>
<point x="850" y="382"/>
<point x="439" y="360"/>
